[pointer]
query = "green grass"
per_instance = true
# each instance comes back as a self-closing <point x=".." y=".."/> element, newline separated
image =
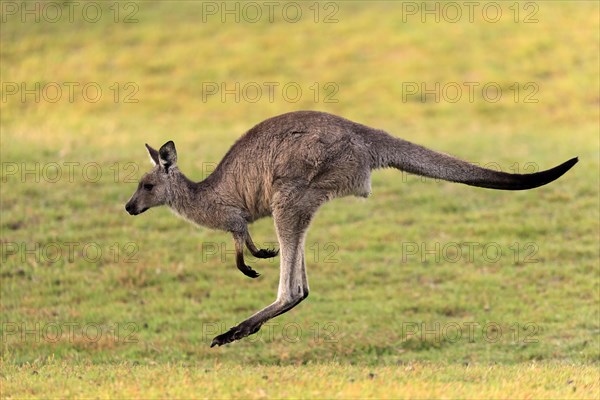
<point x="393" y="279"/>
<point x="330" y="380"/>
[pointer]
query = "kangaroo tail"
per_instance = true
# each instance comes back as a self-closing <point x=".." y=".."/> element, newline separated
<point x="389" y="151"/>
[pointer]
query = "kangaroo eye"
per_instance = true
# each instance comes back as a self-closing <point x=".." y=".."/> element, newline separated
<point x="148" y="186"/>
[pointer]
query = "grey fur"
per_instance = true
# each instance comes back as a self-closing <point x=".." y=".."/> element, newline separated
<point x="287" y="167"/>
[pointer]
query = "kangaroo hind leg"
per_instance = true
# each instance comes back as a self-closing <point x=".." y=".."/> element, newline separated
<point x="291" y="223"/>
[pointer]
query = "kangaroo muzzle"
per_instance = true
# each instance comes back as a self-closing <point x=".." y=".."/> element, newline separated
<point x="132" y="209"/>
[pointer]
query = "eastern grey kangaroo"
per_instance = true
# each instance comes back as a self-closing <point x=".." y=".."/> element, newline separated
<point x="288" y="166"/>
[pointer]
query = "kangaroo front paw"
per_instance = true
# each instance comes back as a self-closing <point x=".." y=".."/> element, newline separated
<point x="266" y="253"/>
<point x="248" y="271"/>
<point x="236" y="333"/>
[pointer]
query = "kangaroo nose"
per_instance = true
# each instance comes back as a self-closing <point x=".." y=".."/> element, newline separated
<point x="128" y="208"/>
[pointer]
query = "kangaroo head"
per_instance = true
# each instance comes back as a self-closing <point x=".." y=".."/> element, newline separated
<point x="155" y="187"/>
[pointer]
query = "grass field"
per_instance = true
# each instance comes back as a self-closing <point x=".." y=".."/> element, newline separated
<point x="427" y="289"/>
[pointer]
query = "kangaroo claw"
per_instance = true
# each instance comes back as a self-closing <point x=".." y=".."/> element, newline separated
<point x="266" y="253"/>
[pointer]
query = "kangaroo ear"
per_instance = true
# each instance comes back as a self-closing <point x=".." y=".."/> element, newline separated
<point x="153" y="154"/>
<point x="167" y="155"/>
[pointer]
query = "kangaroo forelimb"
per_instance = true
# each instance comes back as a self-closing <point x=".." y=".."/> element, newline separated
<point x="239" y="239"/>
<point x="259" y="253"/>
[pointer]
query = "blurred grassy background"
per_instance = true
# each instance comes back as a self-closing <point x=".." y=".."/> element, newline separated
<point x="173" y="292"/>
